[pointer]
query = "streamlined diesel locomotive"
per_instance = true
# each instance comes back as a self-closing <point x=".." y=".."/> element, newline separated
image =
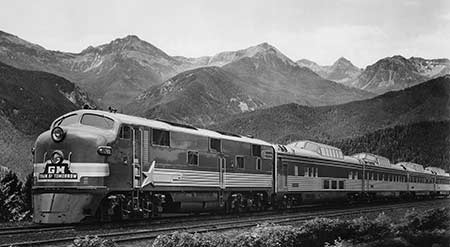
<point x="97" y="165"/>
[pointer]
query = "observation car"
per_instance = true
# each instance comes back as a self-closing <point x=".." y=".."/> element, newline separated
<point x="98" y="165"/>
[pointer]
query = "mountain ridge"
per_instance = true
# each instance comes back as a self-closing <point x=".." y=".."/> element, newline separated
<point x="342" y="70"/>
<point x="119" y="71"/>
<point x="428" y="101"/>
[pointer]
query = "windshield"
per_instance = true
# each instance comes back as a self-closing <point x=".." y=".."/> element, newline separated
<point x="98" y="121"/>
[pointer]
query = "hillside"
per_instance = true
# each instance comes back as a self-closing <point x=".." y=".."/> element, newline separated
<point x="29" y="102"/>
<point x="428" y="101"/>
<point x="15" y="149"/>
<point x="426" y="143"/>
<point x="199" y="97"/>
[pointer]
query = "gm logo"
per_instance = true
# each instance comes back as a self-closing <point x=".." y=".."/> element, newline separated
<point x="56" y="169"/>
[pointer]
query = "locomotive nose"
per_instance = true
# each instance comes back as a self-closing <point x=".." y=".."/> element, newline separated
<point x="70" y="165"/>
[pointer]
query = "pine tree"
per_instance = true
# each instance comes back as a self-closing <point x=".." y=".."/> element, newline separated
<point x="26" y="196"/>
<point x="11" y="204"/>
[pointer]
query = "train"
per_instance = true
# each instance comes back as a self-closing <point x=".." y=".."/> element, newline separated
<point x="94" y="165"/>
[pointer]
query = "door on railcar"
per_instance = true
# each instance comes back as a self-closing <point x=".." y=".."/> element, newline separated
<point x="136" y="161"/>
<point x="222" y="164"/>
<point x="282" y="175"/>
<point x="121" y="169"/>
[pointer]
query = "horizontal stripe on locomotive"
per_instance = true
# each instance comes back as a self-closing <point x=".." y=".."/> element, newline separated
<point x="445" y="187"/>
<point x="176" y="177"/>
<point x="248" y="180"/>
<point x="84" y="169"/>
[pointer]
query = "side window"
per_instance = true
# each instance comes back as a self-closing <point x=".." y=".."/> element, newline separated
<point x="326" y="184"/>
<point x="333" y="184"/>
<point x="350" y="175"/>
<point x="341" y="184"/>
<point x="240" y="162"/>
<point x="258" y="164"/>
<point x="306" y="172"/>
<point x="215" y="145"/>
<point x="296" y="170"/>
<point x="160" y="137"/>
<point x="125" y="132"/>
<point x="192" y="158"/>
<point x="256" y="150"/>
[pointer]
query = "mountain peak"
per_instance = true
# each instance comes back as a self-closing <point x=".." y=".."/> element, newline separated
<point x="132" y="37"/>
<point x="398" y="57"/>
<point x="129" y="39"/>
<point x="265" y="45"/>
<point x="260" y="48"/>
<point x="342" y="61"/>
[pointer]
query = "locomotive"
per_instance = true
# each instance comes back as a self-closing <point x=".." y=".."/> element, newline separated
<point x="99" y="165"/>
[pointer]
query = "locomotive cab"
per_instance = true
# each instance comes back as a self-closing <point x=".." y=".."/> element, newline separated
<point x="70" y="165"/>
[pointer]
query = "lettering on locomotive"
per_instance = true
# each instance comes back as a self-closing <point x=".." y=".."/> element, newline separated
<point x="57" y="172"/>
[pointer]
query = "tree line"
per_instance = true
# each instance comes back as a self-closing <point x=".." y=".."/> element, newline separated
<point x="425" y="143"/>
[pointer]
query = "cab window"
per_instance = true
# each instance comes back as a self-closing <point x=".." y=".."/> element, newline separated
<point x="98" y="121"/>
<point x="72" y="119"/>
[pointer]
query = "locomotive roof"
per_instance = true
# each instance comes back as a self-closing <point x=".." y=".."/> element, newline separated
<point x="165" y="125"/>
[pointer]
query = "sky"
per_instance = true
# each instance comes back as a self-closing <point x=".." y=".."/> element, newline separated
<point x="363" y="31"/>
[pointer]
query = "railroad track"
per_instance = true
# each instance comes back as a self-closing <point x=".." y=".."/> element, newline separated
<point x="34" y="229"/>
<point x="180" y="218"/>
<point x="133" y="235"/>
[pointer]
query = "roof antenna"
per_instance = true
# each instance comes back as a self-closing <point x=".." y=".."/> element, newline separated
<point x="112" y="109"/>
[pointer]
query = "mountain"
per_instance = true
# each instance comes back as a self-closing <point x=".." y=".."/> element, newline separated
<point x="199" y="96"/>
<point x="426" y="143"/>
<point x="112" y="73"/>
<point x="342" y="71"/>
<point x="29" y="102"/>
<point x="282" y="81"/>
<point x="397" y="72"/>
<point x="428" y="101"/>
<point x="249" y="79"/>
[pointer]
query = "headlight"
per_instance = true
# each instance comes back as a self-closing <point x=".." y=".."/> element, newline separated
<point x="57" y="157"/>
<point x="58" y="134"/>
<point x="104" y="150"/>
